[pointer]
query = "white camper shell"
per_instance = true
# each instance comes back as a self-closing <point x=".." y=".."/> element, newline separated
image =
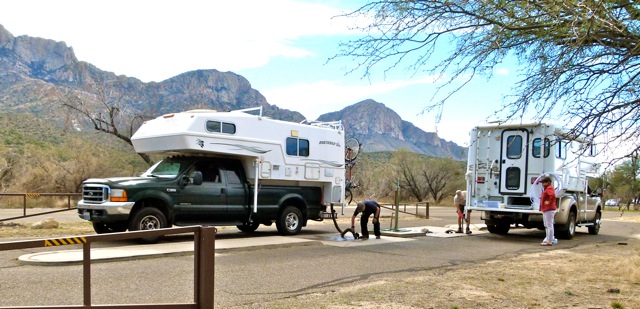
<point x="504" y="164"/>
<point x="272" y="151"/>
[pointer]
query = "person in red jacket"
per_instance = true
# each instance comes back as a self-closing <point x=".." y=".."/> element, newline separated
<point x="548" y="208"/>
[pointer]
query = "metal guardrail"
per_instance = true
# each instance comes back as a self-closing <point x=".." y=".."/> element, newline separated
<point x="26" y="196"/>
<point x="403" y="208"/>
<point x="204" y="252"/>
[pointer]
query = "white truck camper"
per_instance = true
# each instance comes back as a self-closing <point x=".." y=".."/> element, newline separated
<point x="273" y="152"/>
<point x="504" y="164"/>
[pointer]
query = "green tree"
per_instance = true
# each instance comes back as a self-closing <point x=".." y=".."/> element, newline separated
<point x="443" y="177"/>
<point x="409" y="170"/>
<point x="424" y="177"/>
<point x="580" y="60"/>
<point x="623" y="182"/>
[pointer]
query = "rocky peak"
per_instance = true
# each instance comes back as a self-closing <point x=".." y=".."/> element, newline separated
<point x="381" y="129"/>
<point x="37" y="54"/>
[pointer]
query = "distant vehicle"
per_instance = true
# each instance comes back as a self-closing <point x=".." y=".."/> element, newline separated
<point x="614" y="202"/>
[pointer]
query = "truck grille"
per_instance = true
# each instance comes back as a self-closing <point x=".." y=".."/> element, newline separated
<point x="95" y="193"/>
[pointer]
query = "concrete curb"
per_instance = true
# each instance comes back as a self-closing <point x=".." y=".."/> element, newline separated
<point x="69" y="257"/>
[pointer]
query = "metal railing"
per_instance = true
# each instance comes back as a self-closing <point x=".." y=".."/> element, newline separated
<point x="26" y="196"/>
<point x="418" y="206"/>
<point x="204" y="252"/>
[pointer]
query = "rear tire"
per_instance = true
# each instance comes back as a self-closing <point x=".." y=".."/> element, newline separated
<point x="148" y="218"/>
<point x="569" y="229"/>
<point x="498" y="228"/>
<point x="595" y="228"/>
<point x="289" y="221"/>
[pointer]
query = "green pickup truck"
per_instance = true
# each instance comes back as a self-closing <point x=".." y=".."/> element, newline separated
<point x="191" y="190"/>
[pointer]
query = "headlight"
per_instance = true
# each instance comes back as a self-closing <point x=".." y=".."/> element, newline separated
<point x="118" y="195"/>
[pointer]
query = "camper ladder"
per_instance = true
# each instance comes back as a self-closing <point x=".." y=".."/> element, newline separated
<point x="489" y="170"/>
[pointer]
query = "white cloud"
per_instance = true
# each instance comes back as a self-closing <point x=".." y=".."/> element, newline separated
<point x="324" y="96"/>
<point x="502" y="71"/>
<point x="156" y="39"/>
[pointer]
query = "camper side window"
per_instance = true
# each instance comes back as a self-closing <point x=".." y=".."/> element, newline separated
<point x="221" y="127"/>
<point x="537" y="147"/>
<point x="297" y="147"/>
<point x="592" y="150"/>
<point x="561" y="149"/>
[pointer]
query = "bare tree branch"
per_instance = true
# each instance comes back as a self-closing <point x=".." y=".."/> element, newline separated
<point x="580" y="60"/>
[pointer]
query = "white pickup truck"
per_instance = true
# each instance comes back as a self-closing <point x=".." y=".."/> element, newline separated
<point x="504" y="164"/>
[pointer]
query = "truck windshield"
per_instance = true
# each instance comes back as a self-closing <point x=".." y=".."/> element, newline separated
<point x="164" y="169"/>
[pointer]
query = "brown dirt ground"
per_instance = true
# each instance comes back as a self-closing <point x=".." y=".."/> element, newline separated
<point x="611" y="280"/>
<point x="595" y="276"/>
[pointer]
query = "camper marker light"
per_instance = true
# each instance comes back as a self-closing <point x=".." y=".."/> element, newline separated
<point x="168" y="115"/>
<point x="294" y="133"/>
<point x="118" y="195"/>
<point x="480" y="180"/>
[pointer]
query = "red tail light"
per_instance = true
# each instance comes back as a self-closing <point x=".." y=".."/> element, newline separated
<point x="480" y="180"/>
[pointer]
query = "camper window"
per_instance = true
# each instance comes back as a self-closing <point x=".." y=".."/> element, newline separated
<point x="221" y="127"/>
<point x="514" y="147"/>
<point x="297" y="147"/>
<point x="561" y="149"/>
<point x="592" y="150"/>
<point x="537" y="145"/>
<point x="513" y="178"/>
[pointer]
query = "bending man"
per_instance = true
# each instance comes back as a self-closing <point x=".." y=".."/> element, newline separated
<point x="367" y="208"/>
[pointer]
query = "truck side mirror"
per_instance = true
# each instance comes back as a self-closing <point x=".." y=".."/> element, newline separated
<point x="197" y="178"/>
<point x="598" y="192"/>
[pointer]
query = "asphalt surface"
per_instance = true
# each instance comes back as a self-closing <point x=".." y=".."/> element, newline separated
<point x="251" y="275"/>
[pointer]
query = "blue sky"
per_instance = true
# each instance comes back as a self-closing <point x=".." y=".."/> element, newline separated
<point x="280" y="46"/>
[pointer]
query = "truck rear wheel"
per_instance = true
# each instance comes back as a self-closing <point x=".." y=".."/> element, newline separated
<point x="148" y="218"/>
<point x="290" y="221"/>
<point x="569" y="229"/>
<point x="498" y="228"/>
<point x="595" y="228"/>
<point x="105" y="228"/>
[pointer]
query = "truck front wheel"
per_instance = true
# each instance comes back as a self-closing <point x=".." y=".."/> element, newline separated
<point x="290" y="221"/>
<point x="104" y="228"/>
<point x="595" y="228"/>
<point x="148" y="218"/>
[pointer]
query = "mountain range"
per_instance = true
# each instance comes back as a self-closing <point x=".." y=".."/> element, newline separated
<point x="43" y="77"/>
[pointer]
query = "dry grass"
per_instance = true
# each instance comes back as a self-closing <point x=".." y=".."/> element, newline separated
<point x="598" y="276"/>
<point x="9" y="231"/>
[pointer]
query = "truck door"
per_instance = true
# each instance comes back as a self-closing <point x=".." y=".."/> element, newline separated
<point x="206" y="202"/>
<point x="513" y="161"/>
<point x="239" y="201"/>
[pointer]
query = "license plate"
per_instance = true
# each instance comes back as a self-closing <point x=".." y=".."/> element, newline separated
<point x="86" y="215"/>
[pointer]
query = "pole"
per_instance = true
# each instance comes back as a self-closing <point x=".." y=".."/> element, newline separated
<point x="397" y="203"/>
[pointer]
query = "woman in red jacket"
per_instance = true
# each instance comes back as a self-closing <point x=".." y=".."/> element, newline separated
<point x="548" y="208"/>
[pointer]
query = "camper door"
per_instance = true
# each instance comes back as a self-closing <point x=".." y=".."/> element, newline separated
<point x="513" y="161"/>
